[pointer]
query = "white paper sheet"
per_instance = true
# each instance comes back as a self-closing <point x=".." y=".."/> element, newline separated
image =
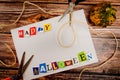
<point x="49" y="56"/>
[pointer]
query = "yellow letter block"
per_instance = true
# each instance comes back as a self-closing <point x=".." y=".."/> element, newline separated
<point x="47" y="27"/>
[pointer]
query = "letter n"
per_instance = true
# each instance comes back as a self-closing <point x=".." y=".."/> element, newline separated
<point x="89" y="56"/>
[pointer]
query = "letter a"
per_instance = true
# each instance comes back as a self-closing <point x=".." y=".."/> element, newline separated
<point x="43" y="68"/>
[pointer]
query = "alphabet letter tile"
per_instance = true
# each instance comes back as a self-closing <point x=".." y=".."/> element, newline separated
<point x="47" y="27"/>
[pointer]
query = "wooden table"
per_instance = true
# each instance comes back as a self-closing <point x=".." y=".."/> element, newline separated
<point x="104" y="44"/>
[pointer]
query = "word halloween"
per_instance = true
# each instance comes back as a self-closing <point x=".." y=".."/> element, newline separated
<point x="33" y="31"/>
<point x="44" y="68"/>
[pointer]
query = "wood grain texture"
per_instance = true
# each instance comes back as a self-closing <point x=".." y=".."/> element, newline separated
<point x="104" y="43"/>
<point x="104" y="48"/>
<point x="10" y="11"/>
<point x="61" y="1"/>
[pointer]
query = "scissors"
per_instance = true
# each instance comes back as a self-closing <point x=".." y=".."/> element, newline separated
<point x="69" y="10"/>
<point x="21" y="69"/>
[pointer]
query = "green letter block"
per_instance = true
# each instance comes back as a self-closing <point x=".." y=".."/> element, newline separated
<point x="61" y="64"/>
<point x="82" y="57"/>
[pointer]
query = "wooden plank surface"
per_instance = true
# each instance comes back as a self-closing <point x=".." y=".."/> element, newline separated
<point x="60" y="1"/>
<point x="104" y="44"/>
<point x="9" y="15"/>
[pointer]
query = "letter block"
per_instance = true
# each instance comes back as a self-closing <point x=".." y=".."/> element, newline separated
<point x="47" y="27"/>
<point x="35" y="70"/>
<point x="89" y="56"/>
<point x="33" y="31"/>
<point x="68" y="63"/>
<point x="40" y="29"/>
<point x="61" y="64"/>
<point x="21" y="33"/>
<point x="82" y="56"/>
<point x="54" y="65"/>
<point x="43" y="68"/>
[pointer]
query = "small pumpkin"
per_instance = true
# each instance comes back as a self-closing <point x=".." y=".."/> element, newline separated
<point x="38" y="17"/>
<point x="103" y="14"/>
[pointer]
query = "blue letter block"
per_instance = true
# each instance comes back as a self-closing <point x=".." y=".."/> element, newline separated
<point x="43" y="68"/>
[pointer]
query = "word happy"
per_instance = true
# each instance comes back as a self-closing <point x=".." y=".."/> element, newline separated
<point x="33" y="31"/>
<point x="44" y="68"/>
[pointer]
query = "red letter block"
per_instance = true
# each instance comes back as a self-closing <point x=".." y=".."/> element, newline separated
<point x="21" y="33"/>
<point x="33" y="31"/>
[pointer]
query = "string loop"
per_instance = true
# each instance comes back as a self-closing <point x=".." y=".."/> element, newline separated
<point x="9" y="65"/>
<point x="59" y="36"/>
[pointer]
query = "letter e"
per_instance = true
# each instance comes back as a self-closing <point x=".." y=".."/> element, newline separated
<point x="82" y="56"/>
